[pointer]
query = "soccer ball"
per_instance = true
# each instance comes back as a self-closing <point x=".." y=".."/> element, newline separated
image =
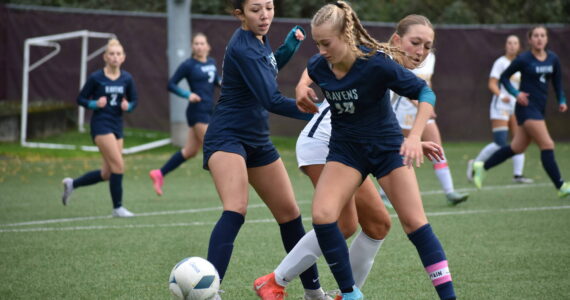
<point x="194" y="278"/>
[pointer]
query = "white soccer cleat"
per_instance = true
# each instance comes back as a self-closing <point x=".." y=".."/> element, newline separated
<point x="522" y="179"/>
<point x="122" y="212"/>
<point x="67" y="190"/>
<point x="316" y="295"/>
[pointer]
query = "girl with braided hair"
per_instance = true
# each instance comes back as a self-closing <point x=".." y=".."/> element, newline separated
<point x="355" y="73"/>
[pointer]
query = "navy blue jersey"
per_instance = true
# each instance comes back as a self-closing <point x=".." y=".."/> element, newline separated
<point x="249" y="91"/>
<point x="201" y="77"/>
<point x="360" y="104"/>
<point x="98" y="85"/>
<point x="535" y="76"/>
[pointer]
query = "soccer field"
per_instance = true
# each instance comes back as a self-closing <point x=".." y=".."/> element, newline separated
<point x="508" y="241"/>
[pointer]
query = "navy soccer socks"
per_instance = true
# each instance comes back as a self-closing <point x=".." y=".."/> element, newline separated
<point x="433" y="258"/>
<point x="222" y="240"/>
<point x="116" y="188"/>
<point x="335" y="251"/>
<point x="88" y="178"/>
<point x="498" y="157"/>
<point x="174" y="162"/>
<point x="291" y="233"/>
<point x="551" y="167"/>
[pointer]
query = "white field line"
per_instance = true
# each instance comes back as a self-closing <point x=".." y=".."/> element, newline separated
<point x="217" y="208"/>
<point x="263" y="221"/>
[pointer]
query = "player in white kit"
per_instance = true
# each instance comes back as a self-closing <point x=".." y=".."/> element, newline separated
<point x="406" y="111"/>
<point x="502" y="110"/>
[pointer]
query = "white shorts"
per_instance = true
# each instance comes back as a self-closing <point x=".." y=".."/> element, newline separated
<point x="311" y="151"/>
<point x="500" y="110"/>
<point x="406" y="114"/>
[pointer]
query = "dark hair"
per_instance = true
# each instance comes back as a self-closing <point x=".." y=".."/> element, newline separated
<point x="235" y="4"/>
<point x="532" y="29"/>
<point x="197" y="34"/>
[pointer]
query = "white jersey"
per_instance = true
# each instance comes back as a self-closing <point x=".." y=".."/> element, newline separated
<point x="405" y="109"/>
<point x="500" y="65"/>
<point x="500" y="110"/>
<point x="313" y="143"/>
<point x="319" y="127"/>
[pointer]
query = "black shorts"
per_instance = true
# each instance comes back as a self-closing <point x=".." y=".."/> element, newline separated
<point x="255" y="156"/>
<point x="368" y="158"/>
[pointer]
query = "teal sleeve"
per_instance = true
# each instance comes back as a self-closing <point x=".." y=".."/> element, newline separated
<point x="427" y="95"/>
<point x="92" y="104"/>
<point x="290" y="46"/>
<point x="131" y="107"/>
<point x="557" y="82"/>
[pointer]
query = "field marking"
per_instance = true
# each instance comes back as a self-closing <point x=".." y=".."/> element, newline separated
<point x="183" y="224"/>
<point x="260" y="205"/>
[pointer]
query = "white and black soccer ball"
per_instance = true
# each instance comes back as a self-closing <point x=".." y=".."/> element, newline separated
<point x="194" y="278"/>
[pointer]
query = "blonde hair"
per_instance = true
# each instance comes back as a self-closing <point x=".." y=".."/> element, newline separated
<point x="113" y="42"/>
<point x="408" y="21"/>
<point x="341" y="16"/>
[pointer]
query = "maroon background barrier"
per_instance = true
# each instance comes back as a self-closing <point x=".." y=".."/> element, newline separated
<point x="464" y="54"/>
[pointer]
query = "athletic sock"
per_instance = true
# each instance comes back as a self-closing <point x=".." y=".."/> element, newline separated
<point x="551" y="168"/>
<point x="498" y="157"/>
<point x="335" y="251"/>
<point x="362" y="252"/>
<point x="518" y="164"/>
<point x="88" y="178"/>
<point x="487" y="151"/>
<point x="443" y="174"/>
<point x="174" y="162"/>
<point x="500" y="135"/>
<point x="291" y="233"/>
<point x="433" y="258"/>
<point x="116" y="188"/>
<point x="222" y="240"/>
<point x="300" y="258"/>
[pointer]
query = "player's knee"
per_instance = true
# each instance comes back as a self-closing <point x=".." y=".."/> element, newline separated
<point x="105" y="175"/>
<point x="189" y="152"/>
<point x="348" y="228"/>
<point x="117" y="168"/>
<point x="379" y="229"/>
<point x="323" y="216"/>
<point x="547" y="145"/>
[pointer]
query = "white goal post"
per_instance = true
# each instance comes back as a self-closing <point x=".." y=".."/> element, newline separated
<point x="51" y="41"/>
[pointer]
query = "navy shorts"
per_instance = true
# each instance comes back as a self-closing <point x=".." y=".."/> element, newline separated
<point x="102" y="127"/>
<point x="368" y="158"/>
<point x="198" y="113"/>
<point x="255" y="156"/>
<point x="530" y="112"/>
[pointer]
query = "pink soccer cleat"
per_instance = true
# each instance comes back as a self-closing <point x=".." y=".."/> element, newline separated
<point x="157" y="181"/>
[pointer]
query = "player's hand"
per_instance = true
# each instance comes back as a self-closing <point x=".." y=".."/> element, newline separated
<point x="305" y="99"/>
<point x="193" y="98"/>
<point x="563" y="108"/>
<point x="522" y="98"/>
<point x="124" y="104"/>
<point x="505" y="98"/>
<point x="411" y="150"/>
<point x="102" y="101"/>
<point x="433" y="151"/>
<point x="299" y="35"/>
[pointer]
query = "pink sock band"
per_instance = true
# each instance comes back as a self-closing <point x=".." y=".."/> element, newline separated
<point x="439" y="273"/>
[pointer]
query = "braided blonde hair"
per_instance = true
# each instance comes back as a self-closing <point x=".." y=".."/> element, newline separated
<point x="344" y="19"/>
